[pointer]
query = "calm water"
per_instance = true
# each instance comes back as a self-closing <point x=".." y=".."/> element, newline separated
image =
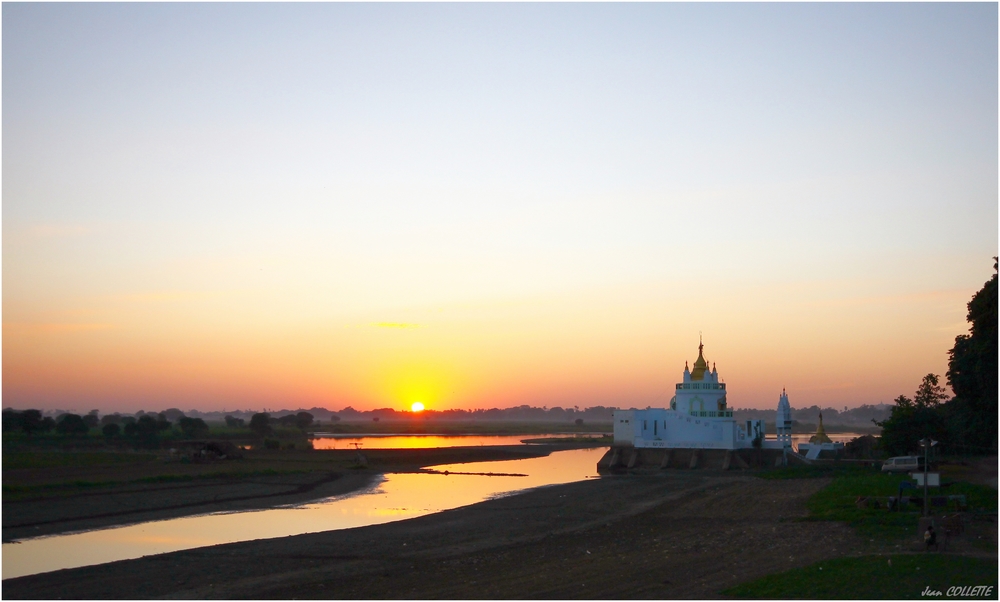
<point x="835" y="437"/>
<point x="337" y="441"/>
<point x="394" y="497"/>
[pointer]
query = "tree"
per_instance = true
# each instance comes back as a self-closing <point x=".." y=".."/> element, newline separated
<point x="71" y="424"/>
<point x="11" y="420"/>
<point x="913" y="419"/>
<point x="233" y="422"/>
<point x="193" y="427"/>
<point x="111" y="430"/>
<point x="115" y="418"/>
<point x="31" y="422"/>
<point x="260" y="424"/>
<point x="92" y="419"/>
<point x="173" y="414"/>
<point x="929" y="394"/>
<point x="303" y="420"/>
<point x="972" y="374"/>
<point x="145" y="431"/>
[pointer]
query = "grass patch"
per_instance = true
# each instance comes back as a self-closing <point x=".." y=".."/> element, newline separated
<point x="800" y="471"/>
<point x="14" y="460"/>
<point x="873" y="577"/>
<point x="836" y="502"/>
<point x="70" y="487"/>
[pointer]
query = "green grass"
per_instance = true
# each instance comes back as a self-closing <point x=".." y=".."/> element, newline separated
<point x="69" y="486"/>
<point x="811" y="471"/>
<point x="14" y="460"/>
<point x="836" y="502"/>
<point x="873" y="577"/>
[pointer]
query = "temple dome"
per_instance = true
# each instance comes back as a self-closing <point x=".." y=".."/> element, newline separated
<point x="820" y="436"/>
<point x="700" y="365"/>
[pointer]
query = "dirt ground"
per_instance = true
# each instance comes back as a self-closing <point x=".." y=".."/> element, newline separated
<point x="677" y="535"/>
<point x="671" y="534"/>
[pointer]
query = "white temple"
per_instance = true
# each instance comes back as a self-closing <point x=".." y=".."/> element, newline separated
<point x="783" y="421"/>
<point x="698" y="418"/>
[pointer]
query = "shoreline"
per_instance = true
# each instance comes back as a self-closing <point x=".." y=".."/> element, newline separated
<point x="143" y="502"/>
<point x="614" y="537"/>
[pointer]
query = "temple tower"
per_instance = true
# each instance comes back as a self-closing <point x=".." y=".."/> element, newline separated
<point x="783" y="421"/>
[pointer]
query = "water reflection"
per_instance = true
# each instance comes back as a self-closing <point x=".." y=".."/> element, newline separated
<point x="336" y="441"/>
<point x="394" y="497"/>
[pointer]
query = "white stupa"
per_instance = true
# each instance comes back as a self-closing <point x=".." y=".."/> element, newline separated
<point x="699" y="417"/>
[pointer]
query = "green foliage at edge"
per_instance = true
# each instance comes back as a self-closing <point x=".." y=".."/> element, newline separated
<point x="873" y="577"/>
<point x="836" y="501"/>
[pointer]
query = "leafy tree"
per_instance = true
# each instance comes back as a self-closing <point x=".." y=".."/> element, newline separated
<point x="913" y="419"/>
<point x="192" y="427"/>
<point x="92" y="419"/>
<point x="71" y="424"/>
<point x="47" y="424"/>
<point x="233" y="422"/>
<point x="111" y="430"/>
<point x="972" y="374"/>
<point x="173" y="414"/>
<point x="32" y="422"/>
<point x="145" y="431"/>
<point x="929" y="394"/>
<point x="260" y="424"/>
<point x="303" y="420"/>
<point x="115" y="418"/>
<point x="11" y="420"/>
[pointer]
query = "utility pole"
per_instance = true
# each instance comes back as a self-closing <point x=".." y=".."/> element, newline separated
<point x="926" y="444"/>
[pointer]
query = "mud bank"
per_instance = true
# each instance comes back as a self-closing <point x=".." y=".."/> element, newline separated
<point x="675" y="535"/>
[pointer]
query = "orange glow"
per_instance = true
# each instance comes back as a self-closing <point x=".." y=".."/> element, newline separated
<point x="624" y="349"/>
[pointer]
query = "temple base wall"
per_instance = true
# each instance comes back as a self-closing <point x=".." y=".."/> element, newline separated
<point x="628" y="458"/>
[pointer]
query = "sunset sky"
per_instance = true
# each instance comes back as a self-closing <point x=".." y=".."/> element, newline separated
<point x="487" y="205"/>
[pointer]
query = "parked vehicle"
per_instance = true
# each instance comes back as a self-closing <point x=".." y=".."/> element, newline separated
<point x="904" y="464"/>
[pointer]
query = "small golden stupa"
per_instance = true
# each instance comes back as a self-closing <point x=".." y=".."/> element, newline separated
<point x="820" y="436"/>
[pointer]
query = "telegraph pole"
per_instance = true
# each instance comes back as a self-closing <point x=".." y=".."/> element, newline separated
<point x="926" y="444"/>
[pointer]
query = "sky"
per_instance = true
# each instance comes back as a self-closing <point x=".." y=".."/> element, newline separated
<point x="246" y="206"/>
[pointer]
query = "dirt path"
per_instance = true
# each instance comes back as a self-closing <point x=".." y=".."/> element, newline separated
<point x="676" y="535"/>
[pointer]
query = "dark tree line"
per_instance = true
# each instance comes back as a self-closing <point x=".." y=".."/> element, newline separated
<point x="144" y="432"/>
<point x="967" y="422"/>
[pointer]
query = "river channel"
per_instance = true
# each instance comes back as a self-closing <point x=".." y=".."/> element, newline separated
<point x="393" y="497"/>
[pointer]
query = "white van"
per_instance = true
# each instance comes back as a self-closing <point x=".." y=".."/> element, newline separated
<point x="904" y="464"/>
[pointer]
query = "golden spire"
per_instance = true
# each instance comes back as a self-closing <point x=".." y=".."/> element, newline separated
<point x="700" y="365"/>
<point x="820" y="436"/>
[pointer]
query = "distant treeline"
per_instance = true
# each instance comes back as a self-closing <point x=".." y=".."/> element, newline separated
<point x="860" y="417"/>
<point x="522" y="413"/>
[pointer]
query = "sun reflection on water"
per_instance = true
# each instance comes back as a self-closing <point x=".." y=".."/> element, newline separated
<point x="392" y="497"/>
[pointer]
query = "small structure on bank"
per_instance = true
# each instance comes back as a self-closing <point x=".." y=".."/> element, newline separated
<point x="819" y="443"/>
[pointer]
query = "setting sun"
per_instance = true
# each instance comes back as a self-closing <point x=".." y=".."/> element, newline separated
<point x="417" y="407"/>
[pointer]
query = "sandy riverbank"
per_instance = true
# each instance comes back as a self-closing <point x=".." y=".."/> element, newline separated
<point x="121" y="495"/>
<point x="676" y="535"/>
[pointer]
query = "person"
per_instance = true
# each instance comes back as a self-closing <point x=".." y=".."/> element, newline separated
<point x="930" y="538"/>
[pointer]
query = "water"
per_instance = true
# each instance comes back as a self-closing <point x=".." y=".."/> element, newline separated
<point x="835" y="437"/>
<point x="394" y="497"/>
<point x="394" y="441"/>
